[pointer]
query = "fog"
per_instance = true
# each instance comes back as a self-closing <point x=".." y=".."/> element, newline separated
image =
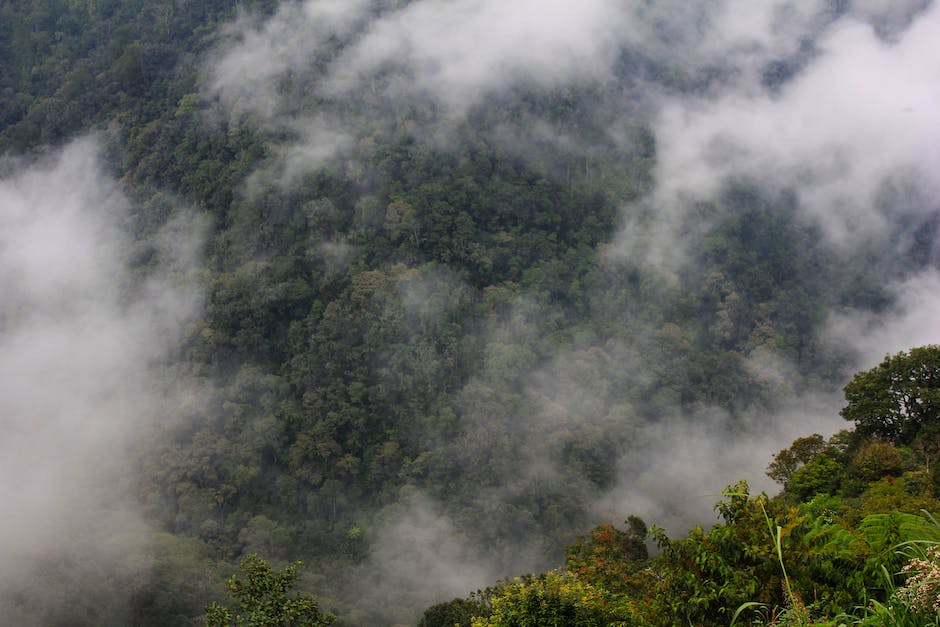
<point x="835" y="108"/>
<point x="80" y="339"/>
<point x="859" y="114"/>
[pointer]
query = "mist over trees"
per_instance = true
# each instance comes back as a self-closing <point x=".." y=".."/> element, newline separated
<point x="419" y="292"/>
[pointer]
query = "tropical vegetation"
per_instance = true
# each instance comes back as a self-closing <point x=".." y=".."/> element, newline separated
<point x="438" y="346"/>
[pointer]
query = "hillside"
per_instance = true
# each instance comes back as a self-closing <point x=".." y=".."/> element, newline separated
<point x="418" y="292"/>
<point x="850" y="540"/>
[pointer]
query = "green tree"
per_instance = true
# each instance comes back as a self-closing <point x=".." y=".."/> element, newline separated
<point x="263" y="598"/>
<point x="875" y="460"/>
<point x="608" y="556"/>
<point x="456" y="613"/>
<point x="821" y="475"/>
<point x="555" y="599"/>
<point x="801" y="452"/>
<point x="895" y="399"/>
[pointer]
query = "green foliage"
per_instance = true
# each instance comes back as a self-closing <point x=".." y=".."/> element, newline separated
<point x="705" y="576"/>
<point x="821" y="475"/>
<point x="262" y="597"/>
<point x="555" y="599"/>
<point x="875" y="460"/>
<point x="609" y="556"/>
<point x="430" y="315"/>
<point x="897" y="398"/>
<point x="912" y="603"/>
<point x="787" y="461"/>
<point x="456" y="613"/>
<point x="768" y="562"/>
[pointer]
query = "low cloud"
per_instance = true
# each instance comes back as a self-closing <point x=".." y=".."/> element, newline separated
<point x="913" y="321"/>
<point x="675" y="477"/>
<point x="861" y="113"/>
<point x="78" y="340"/>
<point x="254" y="54"/>
<point x="420" y="557"/>
<point x="461" y="52"/>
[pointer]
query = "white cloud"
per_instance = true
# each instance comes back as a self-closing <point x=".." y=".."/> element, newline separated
<point x="460" y="52"/>
<point x="243" y="72"/>
<point x="860" y="113"/>
<point x="419" y="557"/>
<point x="77" y="341"/>
<point x="913" y="321"/>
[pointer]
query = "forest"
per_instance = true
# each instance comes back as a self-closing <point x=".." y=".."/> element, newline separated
<point x="487" y="313"/>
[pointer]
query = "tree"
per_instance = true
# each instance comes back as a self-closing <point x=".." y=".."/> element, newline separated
<point x="456" y="613"/>
<point x="608" y="556"/>
<point x="263" y="599"/>
<point x="821" y="475"/>
<point x="801" y="452"/>
<point x="898" y="397"/>
<point x="876" y="460"/>
<point x="555" y="599"/>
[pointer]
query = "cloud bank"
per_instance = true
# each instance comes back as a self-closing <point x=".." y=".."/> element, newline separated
<point x="858" y="115"/>
<point x="79" y="338"/>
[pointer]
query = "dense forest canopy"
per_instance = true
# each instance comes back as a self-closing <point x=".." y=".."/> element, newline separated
<point x="418" y="292"/>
